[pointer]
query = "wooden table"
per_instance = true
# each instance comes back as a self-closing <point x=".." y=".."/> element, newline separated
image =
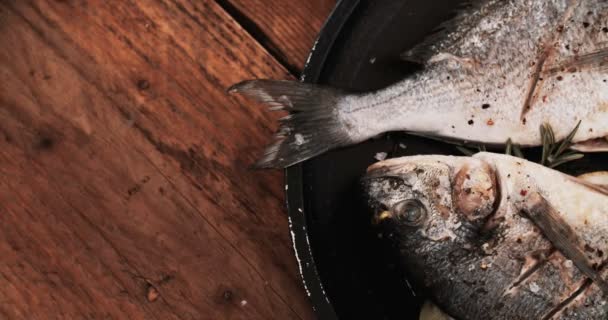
<point x="125" y="188"/>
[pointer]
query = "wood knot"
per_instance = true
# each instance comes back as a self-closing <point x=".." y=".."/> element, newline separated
<point x="45" y="143"/>
<point x="143" y="84"/>
<point x="227" y="295"/>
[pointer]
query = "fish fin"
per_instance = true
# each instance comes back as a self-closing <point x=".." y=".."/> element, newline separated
<point x="597" y="60"/>
<point x="593" y="145"/>
<point x="312" y="126"/>
<point x="462" y="62"/>
<point x="561" y="236"/>
<point x="597" y="187"/>
<point x="431" y="311"/>
<point x="599" y="178"/>
<point x="422" y="52"/>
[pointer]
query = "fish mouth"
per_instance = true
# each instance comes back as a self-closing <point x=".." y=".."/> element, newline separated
<point x="379" y="170"/>
<point x="394" y="167"/>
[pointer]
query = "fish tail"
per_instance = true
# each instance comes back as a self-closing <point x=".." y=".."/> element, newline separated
<point x="312" y="126"/>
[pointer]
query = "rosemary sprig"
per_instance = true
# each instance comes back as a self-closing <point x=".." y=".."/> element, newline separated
<point x="554" y="153"/>
<point x="513" y="149"/>
<point x="465" y="151"/>
<point x="468" y="152"/>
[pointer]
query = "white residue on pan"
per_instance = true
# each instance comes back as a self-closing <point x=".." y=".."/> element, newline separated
<point x="312" y="51"/>
<point x="310" y="252"/>
<point x="299" y="139"/>
<point x="293" y="241"/>
<point x="324" y="294"/>
<point x="295" y="250"/>
<point x="410" y="287"/>
<point x="307" y="242"/>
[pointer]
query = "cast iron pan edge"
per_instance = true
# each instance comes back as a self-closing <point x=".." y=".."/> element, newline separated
<point x="293" y="175"/>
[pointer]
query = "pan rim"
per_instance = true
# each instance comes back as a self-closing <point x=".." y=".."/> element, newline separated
<point x="294" y="183"/>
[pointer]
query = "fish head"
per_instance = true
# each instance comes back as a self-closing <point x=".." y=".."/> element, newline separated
<point x="432" y="206"/>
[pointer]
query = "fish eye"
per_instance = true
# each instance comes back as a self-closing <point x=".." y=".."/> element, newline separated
<point x="411" y="212"/>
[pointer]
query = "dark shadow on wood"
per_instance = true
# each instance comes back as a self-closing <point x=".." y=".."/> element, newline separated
<point x="259" y="35"/>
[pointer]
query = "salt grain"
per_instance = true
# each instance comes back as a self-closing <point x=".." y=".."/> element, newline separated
<point x="243" y="303"/>
<point x="534" y="287"/>
<point x="380" y="156"/>
<point x="486" y="248"/>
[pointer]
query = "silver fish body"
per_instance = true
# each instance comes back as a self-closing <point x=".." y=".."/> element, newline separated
<point x="467" y="233"/>
<point x="500" y="70"/>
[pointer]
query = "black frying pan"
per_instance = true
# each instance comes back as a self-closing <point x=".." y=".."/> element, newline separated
<point x="346" y="269"/>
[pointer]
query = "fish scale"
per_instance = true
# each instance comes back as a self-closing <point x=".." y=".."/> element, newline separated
<point x="506" y="266"/>
<point x="499" y="70"/>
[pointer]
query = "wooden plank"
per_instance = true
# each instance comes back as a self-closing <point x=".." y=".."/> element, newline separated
<point x="124" y="183"/>
<point x="287" y="28"/>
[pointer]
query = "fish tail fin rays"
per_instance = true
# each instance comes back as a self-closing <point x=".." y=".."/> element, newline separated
<point x="599" y="178"/>
<point x="593" y="61"/>
<point x="430" y="311"/>
<point x="312" y="126"/>
<point x="593" y="145"/>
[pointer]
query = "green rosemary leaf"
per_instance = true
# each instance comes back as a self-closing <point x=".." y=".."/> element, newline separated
<point x="554" y="153"/>
<point x="509" y="148"/>
<point x="563" y="159"/>
<point x="544" y="136"/>
<point x="517" y="151"/>
<point x="568" y="153"/>
<point x="465" y="151"/>
<point x="568" y="140"/>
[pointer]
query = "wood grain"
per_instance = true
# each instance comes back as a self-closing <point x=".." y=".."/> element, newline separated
<point x="125" y="191"/>
<point x="286" y="28"/>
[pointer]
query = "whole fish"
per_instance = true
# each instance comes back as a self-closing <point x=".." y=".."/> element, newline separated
<point x="498" y="70"/>
<point x="494" y="236"/>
